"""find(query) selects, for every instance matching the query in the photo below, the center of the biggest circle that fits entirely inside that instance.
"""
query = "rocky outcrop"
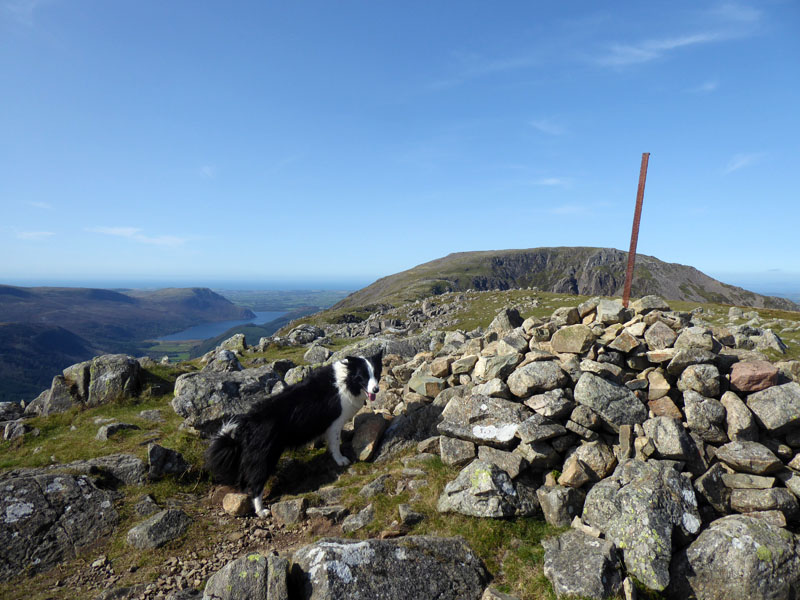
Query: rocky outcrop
(208, 398)
(99, 381)
(48, 518)
(577, 270)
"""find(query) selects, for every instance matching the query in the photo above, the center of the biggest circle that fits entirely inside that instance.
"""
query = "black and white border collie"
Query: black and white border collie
(247, 448)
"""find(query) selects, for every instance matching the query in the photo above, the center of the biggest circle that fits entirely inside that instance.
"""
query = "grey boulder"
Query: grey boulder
(640, 508)
(410, 567)
(49, 518)
(253, 576)
(159, 529)
(615, 404)
(578, 564)
(207, 398)
(483, 489)
(738, 557)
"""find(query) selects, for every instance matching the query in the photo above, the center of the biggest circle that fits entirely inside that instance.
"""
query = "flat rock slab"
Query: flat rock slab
(48, 518)
(777, 408)
(483, 420)
(749, 457)
(578, 564)
(410, 567)
(253, 576)
(159, 529)
(639, 508)
(738, 557)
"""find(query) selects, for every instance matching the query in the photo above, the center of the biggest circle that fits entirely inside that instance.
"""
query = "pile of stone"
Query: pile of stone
(644, 428)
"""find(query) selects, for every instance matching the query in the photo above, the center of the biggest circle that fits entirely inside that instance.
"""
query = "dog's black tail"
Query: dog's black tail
(223, 454)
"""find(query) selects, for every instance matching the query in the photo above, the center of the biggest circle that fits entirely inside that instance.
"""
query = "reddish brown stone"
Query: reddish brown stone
(665, 407)
(753, 376)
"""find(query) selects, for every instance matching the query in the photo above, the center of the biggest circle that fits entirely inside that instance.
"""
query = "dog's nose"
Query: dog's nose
(375, 389)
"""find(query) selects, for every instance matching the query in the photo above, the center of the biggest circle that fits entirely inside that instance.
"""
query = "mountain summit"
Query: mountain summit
(567, 270)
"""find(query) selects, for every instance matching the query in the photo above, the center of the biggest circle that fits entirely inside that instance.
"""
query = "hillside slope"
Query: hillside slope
(569, 270)
(31, 354)
(106, 317)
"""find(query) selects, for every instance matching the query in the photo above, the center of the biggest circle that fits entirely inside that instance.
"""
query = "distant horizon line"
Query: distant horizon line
(344, 284)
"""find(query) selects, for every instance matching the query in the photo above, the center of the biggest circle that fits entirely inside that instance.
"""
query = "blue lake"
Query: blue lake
(210, 330)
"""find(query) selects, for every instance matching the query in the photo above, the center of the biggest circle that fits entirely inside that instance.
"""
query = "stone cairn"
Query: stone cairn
(669, 445)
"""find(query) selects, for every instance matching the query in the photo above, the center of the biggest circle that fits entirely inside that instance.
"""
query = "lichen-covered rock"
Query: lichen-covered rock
(749, 457)
(741, 425)
(560, 504)
(48, 518)
(640, 508)
(537, 377)
(410, 567)
(705, 416)
(777, 408)
(499, 366)
(208, 398)
(316, 354)
(113, 377)
(159, 529)
(616, 404)
(738, 557)
(573, 338)
(578, 564)
(253, 576)
(483, 489)
(483, 420)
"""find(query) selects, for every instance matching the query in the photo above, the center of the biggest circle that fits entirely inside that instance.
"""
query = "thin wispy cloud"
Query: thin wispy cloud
(208, 172)
(623, 55)
(42, 205)
(135, 234)
(552, 182)
(21, 11)
(34, 235)
(740, 161)
(548, 126)
(705, 88)
(474, 67)
(723, 22)
(736, 12)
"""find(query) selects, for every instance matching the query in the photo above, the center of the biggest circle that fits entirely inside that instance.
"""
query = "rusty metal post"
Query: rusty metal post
(637, 215)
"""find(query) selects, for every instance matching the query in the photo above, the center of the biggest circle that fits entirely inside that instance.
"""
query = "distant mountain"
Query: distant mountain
(109, 318)
(568, 270)
(43, 330)
(30, 355)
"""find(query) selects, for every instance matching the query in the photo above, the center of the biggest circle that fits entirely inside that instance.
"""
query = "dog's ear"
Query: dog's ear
(377, 358)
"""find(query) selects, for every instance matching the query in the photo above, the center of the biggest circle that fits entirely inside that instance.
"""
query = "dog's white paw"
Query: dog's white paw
(263, 513)
(341, 461)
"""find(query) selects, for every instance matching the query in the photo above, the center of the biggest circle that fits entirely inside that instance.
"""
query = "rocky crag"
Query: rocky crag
(667, 445)
(562, 270)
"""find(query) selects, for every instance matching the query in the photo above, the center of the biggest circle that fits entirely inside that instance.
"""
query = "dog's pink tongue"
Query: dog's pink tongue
(371, 397)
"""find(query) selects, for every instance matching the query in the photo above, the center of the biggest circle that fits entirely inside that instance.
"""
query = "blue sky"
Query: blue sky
(189, 142)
